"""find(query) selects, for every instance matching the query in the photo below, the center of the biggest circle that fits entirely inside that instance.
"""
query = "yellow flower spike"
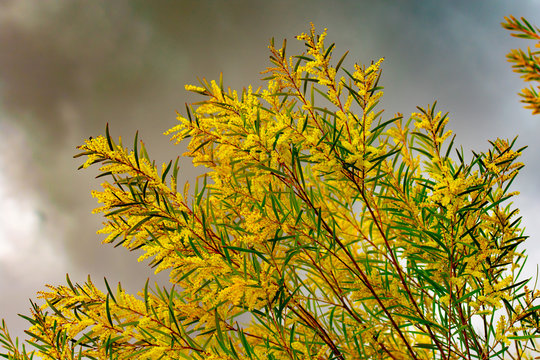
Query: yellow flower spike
(194, 88)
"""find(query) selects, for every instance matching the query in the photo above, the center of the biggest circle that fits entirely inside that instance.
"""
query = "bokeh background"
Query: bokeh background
(69, 67)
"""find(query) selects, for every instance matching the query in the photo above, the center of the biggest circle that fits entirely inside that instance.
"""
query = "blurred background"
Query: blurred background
(69, 67)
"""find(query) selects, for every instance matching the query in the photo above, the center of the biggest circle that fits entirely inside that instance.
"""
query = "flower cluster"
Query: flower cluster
(319, 230)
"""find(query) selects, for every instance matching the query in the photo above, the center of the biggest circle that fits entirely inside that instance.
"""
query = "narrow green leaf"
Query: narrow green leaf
(166, 171)
(109, 289)
(329, 50)
(108, 310)
(341, 60)
(252, 251)
(135, 151)
(109, 140)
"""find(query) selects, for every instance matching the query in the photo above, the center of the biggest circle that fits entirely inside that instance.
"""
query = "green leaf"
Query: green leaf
(166, 171)
(329, 50)
(135, 151)
(341, 60)
(416, 319)
(138, 225)
(468, 295)
(146, 294)
(109, 140)
(109, 290)
(383, 124)
(108, 310)
(73, 288)
(252, 251)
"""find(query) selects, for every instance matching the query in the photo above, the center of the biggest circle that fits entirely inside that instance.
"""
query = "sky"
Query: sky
(67, 68)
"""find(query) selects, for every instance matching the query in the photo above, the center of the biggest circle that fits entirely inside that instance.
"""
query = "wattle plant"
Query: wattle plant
(320, 230)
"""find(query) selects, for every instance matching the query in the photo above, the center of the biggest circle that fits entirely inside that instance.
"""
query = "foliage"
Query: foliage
(527, 64)
(319, 231)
